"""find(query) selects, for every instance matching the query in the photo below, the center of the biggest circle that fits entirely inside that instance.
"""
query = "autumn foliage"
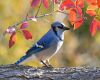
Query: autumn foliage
(74, 11)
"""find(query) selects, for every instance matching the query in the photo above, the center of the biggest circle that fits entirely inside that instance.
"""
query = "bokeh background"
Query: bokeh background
(79, 48)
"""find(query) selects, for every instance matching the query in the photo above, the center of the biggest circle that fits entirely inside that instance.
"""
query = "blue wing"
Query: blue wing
(42, 44)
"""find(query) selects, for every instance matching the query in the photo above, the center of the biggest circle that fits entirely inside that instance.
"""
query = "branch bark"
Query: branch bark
(14, 72)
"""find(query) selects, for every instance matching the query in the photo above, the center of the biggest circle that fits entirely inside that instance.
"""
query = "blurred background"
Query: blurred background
(79, 48)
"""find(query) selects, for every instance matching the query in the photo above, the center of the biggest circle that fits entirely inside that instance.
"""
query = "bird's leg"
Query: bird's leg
(49, 65)
(44, 63)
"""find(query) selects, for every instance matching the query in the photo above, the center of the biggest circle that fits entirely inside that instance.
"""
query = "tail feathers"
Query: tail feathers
(21, 60)
(25, 59)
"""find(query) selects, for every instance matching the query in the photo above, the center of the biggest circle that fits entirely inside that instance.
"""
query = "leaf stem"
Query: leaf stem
(38, 8)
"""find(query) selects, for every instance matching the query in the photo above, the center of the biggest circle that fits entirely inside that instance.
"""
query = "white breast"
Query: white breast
(52, 50)
(59, 46)
(48, 53)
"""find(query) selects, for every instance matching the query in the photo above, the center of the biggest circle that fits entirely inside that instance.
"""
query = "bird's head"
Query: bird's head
(59, 27)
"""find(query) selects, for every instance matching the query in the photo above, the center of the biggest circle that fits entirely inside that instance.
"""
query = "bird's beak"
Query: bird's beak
(66, 28)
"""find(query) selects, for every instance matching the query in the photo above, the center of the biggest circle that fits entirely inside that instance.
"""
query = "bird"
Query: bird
(47, 46)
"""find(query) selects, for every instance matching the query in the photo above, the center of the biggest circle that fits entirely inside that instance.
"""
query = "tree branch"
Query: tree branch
(14, 72)
(38, 8)
(29, 19)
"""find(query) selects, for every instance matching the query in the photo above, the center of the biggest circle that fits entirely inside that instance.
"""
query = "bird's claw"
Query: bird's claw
(48, 67)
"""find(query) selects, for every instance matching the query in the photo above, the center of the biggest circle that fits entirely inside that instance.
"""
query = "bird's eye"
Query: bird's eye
(60, 27)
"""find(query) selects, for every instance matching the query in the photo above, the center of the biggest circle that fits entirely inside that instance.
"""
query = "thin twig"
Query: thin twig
(62, 12)
(29, 19)
(38, 8)
(27, 15)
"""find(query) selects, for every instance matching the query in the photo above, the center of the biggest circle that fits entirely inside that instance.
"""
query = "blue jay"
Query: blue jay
(47, 46)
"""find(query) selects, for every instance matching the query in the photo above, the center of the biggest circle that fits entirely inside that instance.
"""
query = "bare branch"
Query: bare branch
(38, 8)
(29, 19)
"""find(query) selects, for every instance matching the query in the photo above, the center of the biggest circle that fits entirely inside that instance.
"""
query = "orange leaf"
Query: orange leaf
(46, 3)
(72, 16)
(12, 40)
(91, 12)
(80, 3)
(66, 4)
(98, 2)
(93, 27)
(92, 2)
(92, 7)
(78, 23)
(27, 34)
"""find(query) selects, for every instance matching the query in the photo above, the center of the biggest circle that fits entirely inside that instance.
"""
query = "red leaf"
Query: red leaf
(66, 4)
(46, 3)
(12, 40)
(93, 27)
(80, 3)
(79, 11)
(24, 25)
(55, 1)
(78, 23)
(72, 16)
(91, 12)
(34, 3)
(98, 2)
(27, 34)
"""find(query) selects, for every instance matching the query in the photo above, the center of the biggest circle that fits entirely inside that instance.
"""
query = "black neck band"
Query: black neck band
(54, 30)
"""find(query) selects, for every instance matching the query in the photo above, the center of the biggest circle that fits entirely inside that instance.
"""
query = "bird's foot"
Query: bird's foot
(48, 67)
